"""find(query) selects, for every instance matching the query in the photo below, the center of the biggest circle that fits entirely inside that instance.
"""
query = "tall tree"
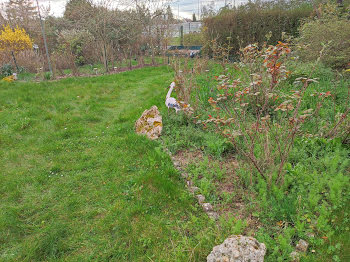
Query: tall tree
(169, 14)
(110, 27)
(155, 27)
(20, 12)
(2, 20)
(77, 12)
(208, 10)
(24, 14)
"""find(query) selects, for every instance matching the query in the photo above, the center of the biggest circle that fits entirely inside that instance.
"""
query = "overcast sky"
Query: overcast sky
(185, 8)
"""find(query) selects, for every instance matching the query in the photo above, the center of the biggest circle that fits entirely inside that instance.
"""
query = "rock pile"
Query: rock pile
(150, 123)
(238, 248)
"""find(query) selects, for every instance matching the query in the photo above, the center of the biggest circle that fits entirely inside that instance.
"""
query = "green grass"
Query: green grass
(77, 184)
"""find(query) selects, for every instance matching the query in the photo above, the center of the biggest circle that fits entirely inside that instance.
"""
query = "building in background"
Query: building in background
(188, 27)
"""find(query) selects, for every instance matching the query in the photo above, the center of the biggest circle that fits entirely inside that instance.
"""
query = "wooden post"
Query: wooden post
(44, 37)
(182, 35)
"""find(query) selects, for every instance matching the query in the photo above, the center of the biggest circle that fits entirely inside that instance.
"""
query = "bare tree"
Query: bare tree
(109, 27)
(152, 15)
(2, 19)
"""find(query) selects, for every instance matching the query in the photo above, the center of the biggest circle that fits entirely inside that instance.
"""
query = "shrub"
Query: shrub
(257, 115)
(250, 23)
(193, 39)
(331, 29)
(30, 60)
(186, 72)
(63, 60)
(14, 40)
(74, 43)
(6, 70)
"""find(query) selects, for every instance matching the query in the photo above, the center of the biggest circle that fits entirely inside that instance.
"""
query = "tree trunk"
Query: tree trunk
(130, 60)
(14, 60)
(105, 61)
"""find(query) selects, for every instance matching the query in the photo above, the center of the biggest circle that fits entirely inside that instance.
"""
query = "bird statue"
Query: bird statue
(171, 102)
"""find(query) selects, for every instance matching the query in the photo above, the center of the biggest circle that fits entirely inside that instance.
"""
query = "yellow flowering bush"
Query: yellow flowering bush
(15, 39)
(9, 79)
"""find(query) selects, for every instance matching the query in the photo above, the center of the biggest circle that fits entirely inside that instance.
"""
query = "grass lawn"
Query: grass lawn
(77, 184)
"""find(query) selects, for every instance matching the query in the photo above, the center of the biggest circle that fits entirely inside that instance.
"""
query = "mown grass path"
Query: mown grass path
(77, 184)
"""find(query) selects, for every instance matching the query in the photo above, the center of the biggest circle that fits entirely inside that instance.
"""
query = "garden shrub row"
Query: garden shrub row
(251, 23)
(329, 32)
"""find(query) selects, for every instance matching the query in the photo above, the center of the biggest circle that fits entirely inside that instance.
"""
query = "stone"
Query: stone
(295, 256)
(310, 235)
(194, 189)
(150, 123)
(207, 207)
(213, 215)
(238, 248)
(302, 246)
(184, 175)
(200, 198)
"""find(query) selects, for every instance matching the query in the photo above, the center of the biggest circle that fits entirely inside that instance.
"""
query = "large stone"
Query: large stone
(295, 256)
(201, 199)
(207, 207)
(194, 189)
(238, 248)
(213, 215)
(302, 246)
(150, 123)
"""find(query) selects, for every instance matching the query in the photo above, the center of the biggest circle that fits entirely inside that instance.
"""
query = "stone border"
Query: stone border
(207, 207)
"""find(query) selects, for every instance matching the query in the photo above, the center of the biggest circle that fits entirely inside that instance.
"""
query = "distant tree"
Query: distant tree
(2, 20)
(169, 14)
(208, 11)
(24, 14)
(14, 40)
(53, 27)
(78, 12)
(111, 29)
(194, 18)
(20, 12)
(154, 27)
